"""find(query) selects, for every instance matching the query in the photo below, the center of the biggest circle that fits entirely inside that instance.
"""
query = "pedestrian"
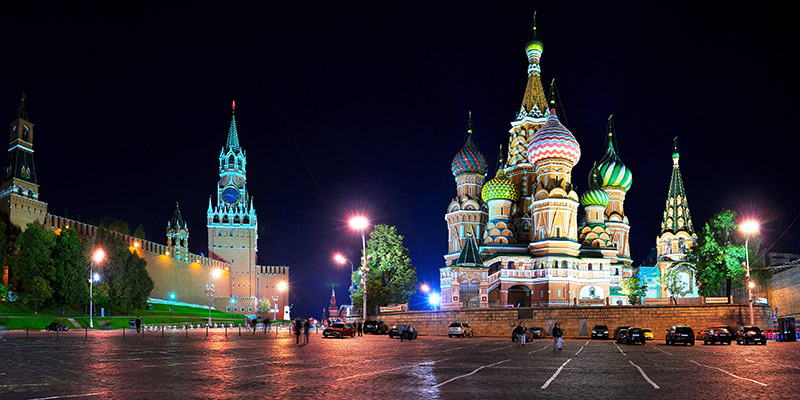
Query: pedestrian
(138, 324)
(523, 335)
(557, 333)
(306, 328)
(516, 333)
(402, 332)
(298, 326)
(360, 326)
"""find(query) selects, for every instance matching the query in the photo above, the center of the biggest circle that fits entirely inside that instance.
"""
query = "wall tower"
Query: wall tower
(178, 235)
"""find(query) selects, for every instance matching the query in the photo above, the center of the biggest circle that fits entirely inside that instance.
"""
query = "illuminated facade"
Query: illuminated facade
(516, 240)
(232, 231)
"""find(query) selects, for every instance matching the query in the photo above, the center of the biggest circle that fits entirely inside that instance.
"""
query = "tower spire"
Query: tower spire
(675, 154)
(233, 135)
(676, 212)
(22, 113)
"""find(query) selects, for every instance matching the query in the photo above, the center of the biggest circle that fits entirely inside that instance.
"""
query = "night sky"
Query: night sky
(346, 108)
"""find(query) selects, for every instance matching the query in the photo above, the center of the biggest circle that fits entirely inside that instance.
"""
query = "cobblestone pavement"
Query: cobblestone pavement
(258, 366)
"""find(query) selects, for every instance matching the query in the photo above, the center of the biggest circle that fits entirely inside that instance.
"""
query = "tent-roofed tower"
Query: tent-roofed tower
(466, 212)
(19, 191)
(677, 232)
(178, 235)
(463, 283)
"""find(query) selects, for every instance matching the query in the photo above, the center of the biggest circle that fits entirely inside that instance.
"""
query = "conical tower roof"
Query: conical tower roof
(470, 257)
(677, 217)
(22, 113)
(534, 103)
(177, 219)
(233, 136)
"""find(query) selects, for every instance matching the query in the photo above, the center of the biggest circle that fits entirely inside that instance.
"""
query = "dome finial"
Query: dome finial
(610, 129)
(552, 96)
(469, 122)
(675, 154)
(534, 35)
(500, 158)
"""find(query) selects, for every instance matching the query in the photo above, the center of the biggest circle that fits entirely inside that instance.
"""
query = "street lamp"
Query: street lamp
(749, 228)
(434, 299)
(360, 223)
(282, 285)
(210, 290)
(425, 288)
(97, 257)
(341, 260)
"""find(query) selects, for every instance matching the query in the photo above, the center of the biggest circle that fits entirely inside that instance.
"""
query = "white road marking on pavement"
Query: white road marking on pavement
(390, 369)
(644, 375)
(471, 373)
(499, 348)
(779, 365)
(735, 376)
(663, 351)
(24, 384)
(558, 371)
(531, 352)
(579, 350)
(587, 343)
(67, 396)
(620, 350)
(462, 347)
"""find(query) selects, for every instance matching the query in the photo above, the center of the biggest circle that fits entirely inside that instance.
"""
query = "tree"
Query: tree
(125, 272)
(139, 232)
(71, 273)
(635, 288)
(391, 277)
(720, 255)
(674, 285)
(3, 290)
(32, 260)
(263, 307)
(115, 225)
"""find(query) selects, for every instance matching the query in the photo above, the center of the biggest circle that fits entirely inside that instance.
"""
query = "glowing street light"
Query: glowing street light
(97, 257)
(434, 300)
(360, 224)
(750, 227)
(339, 258)
(281, 286)
(425, 288)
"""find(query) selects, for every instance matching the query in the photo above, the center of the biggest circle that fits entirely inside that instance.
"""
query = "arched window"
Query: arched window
(230, 161)
(591, 291)
(590, 266)
(510, 265)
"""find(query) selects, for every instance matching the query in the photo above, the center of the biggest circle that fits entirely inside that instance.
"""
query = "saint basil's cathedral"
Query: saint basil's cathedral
(516, 241)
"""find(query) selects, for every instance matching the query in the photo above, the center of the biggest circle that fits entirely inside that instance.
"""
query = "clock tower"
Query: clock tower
(232, 223)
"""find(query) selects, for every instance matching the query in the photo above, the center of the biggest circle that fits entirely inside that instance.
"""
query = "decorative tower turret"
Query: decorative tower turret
(531, 117)
(553, 151)
(499, 194)
(232, 233)
(333, 310)
(466, 212)
(677, 232)
(178, 235)
(19, 191)
(617, 179)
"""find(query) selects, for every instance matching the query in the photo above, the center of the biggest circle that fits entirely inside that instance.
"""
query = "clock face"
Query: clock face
(230, 195)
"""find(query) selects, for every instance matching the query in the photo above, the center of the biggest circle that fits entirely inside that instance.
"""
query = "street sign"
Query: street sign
(774, 316)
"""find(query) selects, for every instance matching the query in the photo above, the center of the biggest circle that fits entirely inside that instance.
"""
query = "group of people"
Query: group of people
(521, 335)
(303, 326)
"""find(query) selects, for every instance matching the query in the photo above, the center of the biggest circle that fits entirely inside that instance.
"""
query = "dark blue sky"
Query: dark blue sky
(345, 107)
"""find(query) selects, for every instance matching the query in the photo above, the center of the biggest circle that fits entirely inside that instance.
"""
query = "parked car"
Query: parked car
(680, 334)
(408, 330)
(339, 330)
(648, 333)
(459, 329)
(536, 332)
(750, 334)
(375, 327)
(634, 335)
(715, 335)
(600, 332)
(56, 326)
(621, 335)
(771, 333)
(617, 329)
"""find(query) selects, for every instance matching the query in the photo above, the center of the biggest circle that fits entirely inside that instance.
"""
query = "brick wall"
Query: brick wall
(784, 292)
(500, 322)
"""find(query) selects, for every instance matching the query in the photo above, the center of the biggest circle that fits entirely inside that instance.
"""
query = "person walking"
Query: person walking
(306, 328)
(138, 324)
(360, 327)
(523, 335)
(298, 326)
(517, 332)
(557, 333)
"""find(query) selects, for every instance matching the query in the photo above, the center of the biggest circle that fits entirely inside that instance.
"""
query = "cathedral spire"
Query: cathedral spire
(676, 212)
(534, 103)
(233, 135)
(22, 113)
(177, 219)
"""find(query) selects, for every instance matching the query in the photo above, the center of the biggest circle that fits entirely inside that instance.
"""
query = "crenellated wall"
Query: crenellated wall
(500, 321)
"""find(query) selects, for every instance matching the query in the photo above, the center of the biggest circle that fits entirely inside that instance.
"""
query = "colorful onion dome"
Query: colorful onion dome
(469, 159)
(595, 196)
(612, 169)
(553, 140)
(500, 187)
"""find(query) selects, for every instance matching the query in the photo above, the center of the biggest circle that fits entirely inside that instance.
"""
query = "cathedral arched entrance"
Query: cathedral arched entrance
(470, 293)
(519, 296)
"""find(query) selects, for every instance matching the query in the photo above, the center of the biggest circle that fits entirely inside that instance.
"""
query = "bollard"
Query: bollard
(226, 330)
(144, 328)
(86, 335)
(187, 330)
(123, 333)
(26, 332)
(206, 331)
(57, 332)
(240, 330)
(162, 331)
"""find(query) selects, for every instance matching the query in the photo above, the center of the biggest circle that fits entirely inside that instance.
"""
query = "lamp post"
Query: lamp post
(280, 287)
(749, 228)
(360, 224)
(97, 257)
(210, 291)
(341, 260)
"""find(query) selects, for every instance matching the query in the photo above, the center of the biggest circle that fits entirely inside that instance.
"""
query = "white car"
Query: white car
(459, 329)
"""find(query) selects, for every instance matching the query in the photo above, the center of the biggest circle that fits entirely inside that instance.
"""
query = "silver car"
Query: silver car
(461, 329)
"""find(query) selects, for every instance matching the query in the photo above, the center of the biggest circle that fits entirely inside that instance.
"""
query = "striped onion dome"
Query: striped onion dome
(595, 196)
(553, 140)
(468, 159)
(613, 170)
(500, 187)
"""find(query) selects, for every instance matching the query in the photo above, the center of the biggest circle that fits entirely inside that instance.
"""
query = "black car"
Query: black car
(375, 327)
(600, 332)
(621, 335)
(617, 329)
(715, 335)
(680, 334)
(750, 334)
(535, 332)
(634, 335)
(404, 331)
(56, 326)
